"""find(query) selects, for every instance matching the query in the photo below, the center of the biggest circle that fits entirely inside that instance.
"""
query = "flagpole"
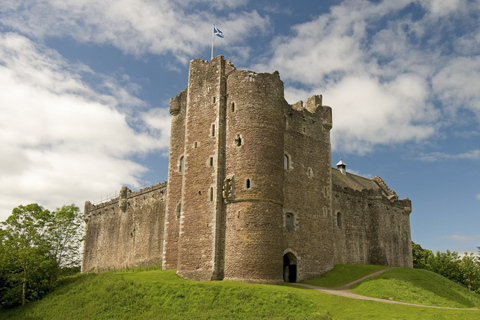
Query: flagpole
(213, 34)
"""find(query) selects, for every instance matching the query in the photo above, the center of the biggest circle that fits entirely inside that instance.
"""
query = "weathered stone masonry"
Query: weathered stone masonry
(125, 231)
(251, 194)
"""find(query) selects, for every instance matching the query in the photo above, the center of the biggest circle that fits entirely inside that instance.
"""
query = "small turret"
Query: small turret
(342, 166)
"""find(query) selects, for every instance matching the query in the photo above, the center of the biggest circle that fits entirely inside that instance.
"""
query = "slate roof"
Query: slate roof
(358, 183)
(353, 181)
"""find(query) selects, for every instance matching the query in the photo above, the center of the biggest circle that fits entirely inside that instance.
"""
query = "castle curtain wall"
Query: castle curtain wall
(371, 229)
(126, 231)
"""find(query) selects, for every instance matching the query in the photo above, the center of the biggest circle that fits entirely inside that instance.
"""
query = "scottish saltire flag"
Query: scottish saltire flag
(218, 32)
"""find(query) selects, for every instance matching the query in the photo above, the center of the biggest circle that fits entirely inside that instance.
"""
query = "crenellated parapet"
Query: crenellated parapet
(125, 199)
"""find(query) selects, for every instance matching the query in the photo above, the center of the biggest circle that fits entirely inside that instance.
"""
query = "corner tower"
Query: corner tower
(254, 169)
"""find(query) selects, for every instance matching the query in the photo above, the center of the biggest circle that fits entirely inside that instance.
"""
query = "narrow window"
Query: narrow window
(180, 165)
(286, 162)
(214, 99)
(339, 219)
(213, 130)
(248, 184)
(196, 144)
(211, 193)
(238, 140)
(289, 221)
(233, 106)
(211, 161)
(179, 210)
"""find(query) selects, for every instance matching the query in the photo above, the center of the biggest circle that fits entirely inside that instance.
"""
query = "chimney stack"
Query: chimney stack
(342, 166)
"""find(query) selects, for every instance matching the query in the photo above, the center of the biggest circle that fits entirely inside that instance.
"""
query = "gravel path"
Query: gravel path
(344, 291)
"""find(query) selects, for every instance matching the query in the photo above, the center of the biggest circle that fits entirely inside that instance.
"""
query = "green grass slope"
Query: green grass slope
(342, 274)
(162, 295)
(419, 287)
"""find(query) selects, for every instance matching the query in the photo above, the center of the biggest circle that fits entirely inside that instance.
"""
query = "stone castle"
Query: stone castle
(251, 194)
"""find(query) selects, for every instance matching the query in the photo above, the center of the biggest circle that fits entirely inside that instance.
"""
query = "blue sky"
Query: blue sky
(86, 84)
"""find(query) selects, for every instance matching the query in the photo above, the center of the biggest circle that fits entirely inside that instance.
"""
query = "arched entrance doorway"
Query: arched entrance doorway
(289, 267)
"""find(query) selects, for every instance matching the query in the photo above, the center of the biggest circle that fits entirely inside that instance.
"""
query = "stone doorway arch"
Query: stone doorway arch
(289, 267)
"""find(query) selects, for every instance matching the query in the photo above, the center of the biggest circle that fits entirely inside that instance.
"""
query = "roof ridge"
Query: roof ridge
(381, 183)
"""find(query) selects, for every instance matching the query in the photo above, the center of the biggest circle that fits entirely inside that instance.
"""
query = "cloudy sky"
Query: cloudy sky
(85, 87)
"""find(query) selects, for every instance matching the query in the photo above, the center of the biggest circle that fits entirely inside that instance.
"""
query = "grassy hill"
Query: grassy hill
(419, 287)
(162, 295)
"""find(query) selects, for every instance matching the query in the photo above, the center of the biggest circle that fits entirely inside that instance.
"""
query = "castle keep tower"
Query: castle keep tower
(239, 157)
(195, 218)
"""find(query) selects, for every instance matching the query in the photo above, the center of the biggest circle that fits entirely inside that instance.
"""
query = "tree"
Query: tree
(469, 270)
(420, 256)
(65, 234)
(25, 251)
(464, 269)
(35, 245)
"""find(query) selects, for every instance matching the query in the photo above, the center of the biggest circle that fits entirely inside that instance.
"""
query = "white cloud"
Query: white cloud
(381, 69)
(135, 26)
(464, 239)
(478, 196)
(435, 156)
(458, 83)
(371, 113)
(56, 131)
(442, 8)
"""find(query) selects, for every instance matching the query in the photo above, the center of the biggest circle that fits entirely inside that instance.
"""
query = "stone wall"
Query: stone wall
(370, 228)
(125, 231)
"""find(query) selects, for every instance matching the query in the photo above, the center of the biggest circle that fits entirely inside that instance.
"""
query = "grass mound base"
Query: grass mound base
(163, 295)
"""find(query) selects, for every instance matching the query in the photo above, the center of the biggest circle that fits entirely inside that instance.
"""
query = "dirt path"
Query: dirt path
(344, 291)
